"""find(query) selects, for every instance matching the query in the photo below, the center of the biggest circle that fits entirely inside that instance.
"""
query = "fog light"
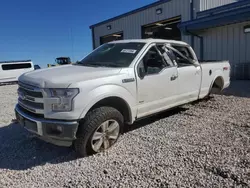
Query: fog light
(54, 129)
(59, 128)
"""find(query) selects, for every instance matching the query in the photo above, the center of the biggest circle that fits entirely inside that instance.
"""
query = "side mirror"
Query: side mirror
(141, 72)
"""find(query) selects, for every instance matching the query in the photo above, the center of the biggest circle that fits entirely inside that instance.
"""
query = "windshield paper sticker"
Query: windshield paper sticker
(130, 51)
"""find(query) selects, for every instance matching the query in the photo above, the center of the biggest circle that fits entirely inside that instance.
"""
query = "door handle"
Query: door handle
(173, 77)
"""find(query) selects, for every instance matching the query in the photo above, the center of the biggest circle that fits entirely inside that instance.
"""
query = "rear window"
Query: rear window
(16, 66)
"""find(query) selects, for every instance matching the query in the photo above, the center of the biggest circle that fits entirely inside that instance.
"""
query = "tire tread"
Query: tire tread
(92, 120)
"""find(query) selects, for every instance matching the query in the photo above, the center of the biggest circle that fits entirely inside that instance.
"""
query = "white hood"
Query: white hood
(63, 76)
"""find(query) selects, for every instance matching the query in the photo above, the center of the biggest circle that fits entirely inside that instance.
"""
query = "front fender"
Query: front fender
(106, 91)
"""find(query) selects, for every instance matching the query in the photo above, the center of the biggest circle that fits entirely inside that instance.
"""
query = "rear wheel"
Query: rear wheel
(99, 131)
(216, 87)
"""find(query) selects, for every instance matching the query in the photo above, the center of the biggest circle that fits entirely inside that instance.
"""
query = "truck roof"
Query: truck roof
(150, 40)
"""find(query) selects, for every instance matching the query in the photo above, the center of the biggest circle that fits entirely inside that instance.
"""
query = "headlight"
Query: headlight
(66, 96)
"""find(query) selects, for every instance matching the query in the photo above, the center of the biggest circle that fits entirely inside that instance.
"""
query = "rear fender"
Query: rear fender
(218, 74)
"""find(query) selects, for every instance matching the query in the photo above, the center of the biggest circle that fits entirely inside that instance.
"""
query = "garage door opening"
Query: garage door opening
(166, 29)
(112, 37)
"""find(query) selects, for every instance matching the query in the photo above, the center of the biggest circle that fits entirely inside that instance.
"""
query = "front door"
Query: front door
(157, 87)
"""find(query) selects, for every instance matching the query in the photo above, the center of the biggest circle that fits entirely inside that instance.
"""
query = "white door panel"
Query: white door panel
(189, 78)
(157, 92)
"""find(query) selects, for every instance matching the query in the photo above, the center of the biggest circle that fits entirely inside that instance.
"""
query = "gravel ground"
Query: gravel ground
(205, 144)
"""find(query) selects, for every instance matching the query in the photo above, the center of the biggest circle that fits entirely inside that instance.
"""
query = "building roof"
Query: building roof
(150, 40)
(130, 12)
(224, 15)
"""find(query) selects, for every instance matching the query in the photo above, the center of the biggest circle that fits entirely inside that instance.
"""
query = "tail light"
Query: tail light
(227, 69)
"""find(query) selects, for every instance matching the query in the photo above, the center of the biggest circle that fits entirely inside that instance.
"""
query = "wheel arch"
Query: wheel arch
(118, 103)
(114, 101)
(217, 84)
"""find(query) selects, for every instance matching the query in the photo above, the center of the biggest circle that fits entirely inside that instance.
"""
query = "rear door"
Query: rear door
(157, 88)
(189, 75)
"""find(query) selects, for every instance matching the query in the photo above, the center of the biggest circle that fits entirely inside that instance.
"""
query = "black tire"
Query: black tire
(92, 121)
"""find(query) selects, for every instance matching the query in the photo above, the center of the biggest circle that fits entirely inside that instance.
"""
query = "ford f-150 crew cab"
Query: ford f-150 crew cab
(87, 104)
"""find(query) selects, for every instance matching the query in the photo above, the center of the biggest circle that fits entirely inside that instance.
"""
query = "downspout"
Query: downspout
(191, 18)
(194, 34)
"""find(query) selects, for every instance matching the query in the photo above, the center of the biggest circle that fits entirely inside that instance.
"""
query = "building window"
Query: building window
(112, 37)
(247, 29)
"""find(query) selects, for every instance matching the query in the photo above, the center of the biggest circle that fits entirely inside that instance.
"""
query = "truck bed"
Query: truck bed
(212, 70)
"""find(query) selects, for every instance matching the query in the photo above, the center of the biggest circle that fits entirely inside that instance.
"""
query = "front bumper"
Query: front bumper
(61, 133)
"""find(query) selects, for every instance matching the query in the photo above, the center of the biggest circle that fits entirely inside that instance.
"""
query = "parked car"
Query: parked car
(89, 103)
(11, 70)
(37, 67)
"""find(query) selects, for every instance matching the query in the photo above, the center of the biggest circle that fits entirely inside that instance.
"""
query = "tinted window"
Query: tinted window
(113, 55)
(16, 66)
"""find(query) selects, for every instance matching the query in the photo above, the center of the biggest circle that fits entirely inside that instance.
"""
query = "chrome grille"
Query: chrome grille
(30, 98)
(31, 93)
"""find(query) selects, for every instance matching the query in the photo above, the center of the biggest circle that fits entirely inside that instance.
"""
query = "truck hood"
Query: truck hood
(63, 76)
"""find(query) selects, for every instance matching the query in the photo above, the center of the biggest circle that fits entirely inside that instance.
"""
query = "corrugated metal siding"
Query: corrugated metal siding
(229, 43)
(131, 25)
(196, 47)
(208, 4)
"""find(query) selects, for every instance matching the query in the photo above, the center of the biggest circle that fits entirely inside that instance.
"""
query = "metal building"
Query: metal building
(216, 29)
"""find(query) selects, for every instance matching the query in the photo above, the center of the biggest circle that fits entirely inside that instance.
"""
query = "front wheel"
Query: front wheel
(99, 131)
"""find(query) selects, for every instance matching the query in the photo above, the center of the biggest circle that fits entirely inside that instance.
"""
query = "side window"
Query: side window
(181, 62)
(152, 62)
(160, 48)
(185, 51)
(16, 66)
(167, 54)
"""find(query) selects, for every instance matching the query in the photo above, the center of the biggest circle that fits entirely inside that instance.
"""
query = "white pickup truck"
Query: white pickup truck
(86, 105)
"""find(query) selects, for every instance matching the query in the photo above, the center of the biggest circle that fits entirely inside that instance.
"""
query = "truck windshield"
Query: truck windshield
(113, 55)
